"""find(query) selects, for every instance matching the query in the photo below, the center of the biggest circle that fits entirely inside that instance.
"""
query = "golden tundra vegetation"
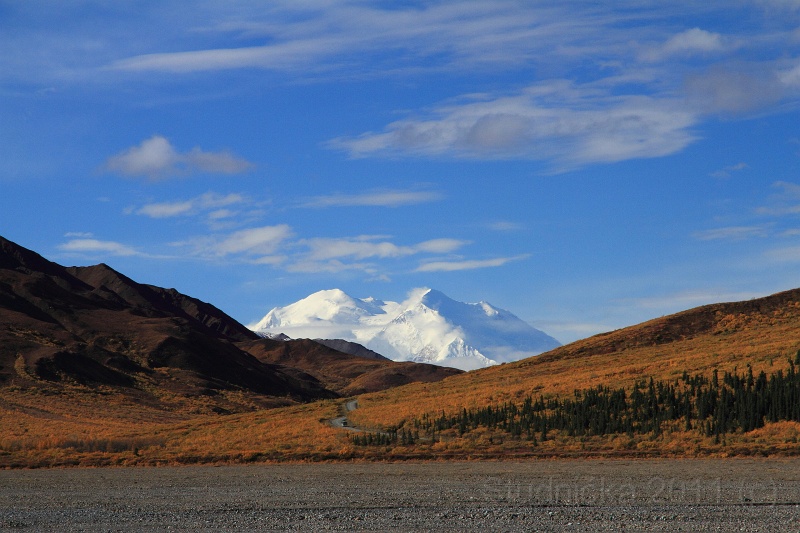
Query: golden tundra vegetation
(79, 425)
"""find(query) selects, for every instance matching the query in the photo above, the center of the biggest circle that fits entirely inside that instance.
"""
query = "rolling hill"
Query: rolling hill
(96, 369)
(757, 335)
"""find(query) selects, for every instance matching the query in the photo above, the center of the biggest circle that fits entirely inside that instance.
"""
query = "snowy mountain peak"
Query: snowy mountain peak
(427, 327)
(332, 306)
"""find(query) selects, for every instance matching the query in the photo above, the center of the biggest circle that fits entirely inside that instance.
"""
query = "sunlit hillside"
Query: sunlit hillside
(82, 425)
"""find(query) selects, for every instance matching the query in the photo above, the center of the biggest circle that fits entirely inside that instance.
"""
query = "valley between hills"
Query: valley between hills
(98, 370)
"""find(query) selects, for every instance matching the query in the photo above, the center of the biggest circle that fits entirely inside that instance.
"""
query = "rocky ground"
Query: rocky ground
(592, 495)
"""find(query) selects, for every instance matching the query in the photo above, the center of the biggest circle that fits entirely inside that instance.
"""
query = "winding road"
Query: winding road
(341, 421)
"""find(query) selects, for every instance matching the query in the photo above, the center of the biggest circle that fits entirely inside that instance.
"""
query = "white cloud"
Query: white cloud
(262, 241)
(332, 266)
(321, 249)
(374, 199)
(155, 158)
(440, 246)
(278, 56)
(166, 209)
(694, 40)
(202, 203)
(636, 108)
(453, 266)
(374, 255)
(97, 246)
(215, 162)
(371, 254)
(314, 36)
(555, 121)
(689, 42)
(256, 245)
(367, 246)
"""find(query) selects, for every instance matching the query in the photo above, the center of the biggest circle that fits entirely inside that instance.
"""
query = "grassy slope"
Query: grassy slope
(762, 333)
(90, 429)
(82, 426)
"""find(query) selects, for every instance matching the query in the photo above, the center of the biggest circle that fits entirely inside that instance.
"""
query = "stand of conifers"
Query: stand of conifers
(713, 406)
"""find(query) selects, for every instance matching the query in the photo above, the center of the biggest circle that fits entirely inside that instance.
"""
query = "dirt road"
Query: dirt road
(594, 495)
(341, 421)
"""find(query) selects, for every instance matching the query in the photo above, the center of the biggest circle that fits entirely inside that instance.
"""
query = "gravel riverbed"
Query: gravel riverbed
(589, 495)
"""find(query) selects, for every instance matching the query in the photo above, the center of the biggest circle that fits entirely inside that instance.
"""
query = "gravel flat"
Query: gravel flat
(590, 495)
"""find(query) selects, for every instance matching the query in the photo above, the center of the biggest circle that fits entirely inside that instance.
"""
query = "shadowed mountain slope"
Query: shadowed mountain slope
(353, 348)
(344, 373)
(95, 327)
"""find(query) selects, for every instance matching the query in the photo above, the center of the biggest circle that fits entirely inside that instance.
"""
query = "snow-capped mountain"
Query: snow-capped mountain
(428, 327)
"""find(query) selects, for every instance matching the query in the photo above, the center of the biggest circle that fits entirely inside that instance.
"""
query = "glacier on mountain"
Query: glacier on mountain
(428, 327)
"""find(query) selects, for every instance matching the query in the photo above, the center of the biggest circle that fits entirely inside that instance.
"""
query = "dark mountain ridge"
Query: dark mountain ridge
(353, 348)
(93, 326)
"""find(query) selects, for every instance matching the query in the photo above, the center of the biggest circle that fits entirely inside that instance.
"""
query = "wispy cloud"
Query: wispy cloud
(648, 93)
(277, 246)
(736, 89)
(504, 225)
(155, 158)
(367, 246)
(727, 171)
(391, 198)
(375, 255)
(731, 233)
(453, 266)
(635, 97)
(331, 266)
(95, 246)
(690, 42)
(786, 202)
(254, 244)
(309, 36)
(205, 202)
(786, 254)
(555, 121)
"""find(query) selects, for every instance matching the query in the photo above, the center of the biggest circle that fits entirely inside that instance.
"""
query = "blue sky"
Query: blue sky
(584, 166)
